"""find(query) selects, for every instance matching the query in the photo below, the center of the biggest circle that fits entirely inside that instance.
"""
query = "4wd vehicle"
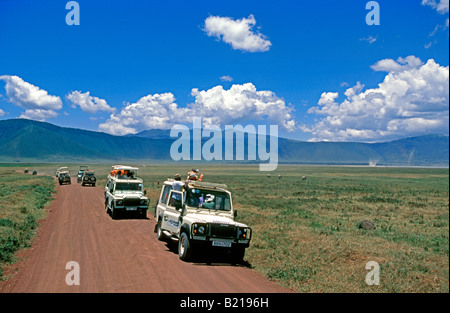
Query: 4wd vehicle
(82, 169)
(88, 178)
(124, 192)
(201, 216)
(61, 169)
(64, 178)
(79, 176)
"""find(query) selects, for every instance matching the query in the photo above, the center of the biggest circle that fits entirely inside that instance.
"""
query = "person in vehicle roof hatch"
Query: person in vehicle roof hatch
(194, 175)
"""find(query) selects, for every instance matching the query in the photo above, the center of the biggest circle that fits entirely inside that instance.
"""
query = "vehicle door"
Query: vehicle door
(163, 200)
(109, 189)
(172, 214)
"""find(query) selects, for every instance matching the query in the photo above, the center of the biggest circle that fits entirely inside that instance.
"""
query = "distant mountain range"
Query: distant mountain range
(24, 140)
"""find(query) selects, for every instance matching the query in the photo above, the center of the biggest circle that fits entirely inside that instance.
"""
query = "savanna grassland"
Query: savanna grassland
(22, 200)
(306, 233)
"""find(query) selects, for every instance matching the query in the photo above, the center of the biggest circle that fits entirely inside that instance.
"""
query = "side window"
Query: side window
(165, 194)
(111, 187)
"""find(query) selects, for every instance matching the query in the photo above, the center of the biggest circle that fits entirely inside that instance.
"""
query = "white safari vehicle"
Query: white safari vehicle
(124, 192)
(200, 216)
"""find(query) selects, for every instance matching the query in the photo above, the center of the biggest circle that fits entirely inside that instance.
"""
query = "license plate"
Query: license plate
(131, 209)
(225, 244)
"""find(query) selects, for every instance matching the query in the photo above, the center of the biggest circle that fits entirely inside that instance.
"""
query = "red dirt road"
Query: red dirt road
(115, 255)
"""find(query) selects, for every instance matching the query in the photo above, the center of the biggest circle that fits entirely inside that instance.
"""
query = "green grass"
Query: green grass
(305, 232)
(22, 199)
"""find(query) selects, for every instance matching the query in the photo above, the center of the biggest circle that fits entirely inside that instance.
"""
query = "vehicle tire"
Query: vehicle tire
(114, 214)
(184, 247)
(237, 255)
(159, 232)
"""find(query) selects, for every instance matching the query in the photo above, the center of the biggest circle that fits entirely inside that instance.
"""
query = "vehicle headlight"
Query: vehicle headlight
(199, 229)
(92, 178)
(245, 233)
(86, 178)
(119, 202)
(144, 202)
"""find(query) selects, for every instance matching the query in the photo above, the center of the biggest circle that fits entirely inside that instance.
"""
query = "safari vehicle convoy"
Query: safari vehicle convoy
(201, 216)
(124, 192)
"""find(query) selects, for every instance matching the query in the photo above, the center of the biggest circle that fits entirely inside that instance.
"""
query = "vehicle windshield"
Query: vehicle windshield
(128, 186)
(207, 199)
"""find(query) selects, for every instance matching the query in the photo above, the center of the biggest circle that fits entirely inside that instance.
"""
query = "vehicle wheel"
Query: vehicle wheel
(184, 247)
(159, 232)
(237, 255)
(114, 214)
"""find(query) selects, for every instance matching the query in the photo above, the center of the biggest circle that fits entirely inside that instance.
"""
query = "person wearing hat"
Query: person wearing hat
(209, 202)
(177, 185)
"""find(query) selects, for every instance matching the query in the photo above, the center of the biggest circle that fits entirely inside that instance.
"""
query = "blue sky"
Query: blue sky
(151, 64)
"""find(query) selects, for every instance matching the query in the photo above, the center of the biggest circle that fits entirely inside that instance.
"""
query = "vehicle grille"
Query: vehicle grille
(223, 231)
(131, 201)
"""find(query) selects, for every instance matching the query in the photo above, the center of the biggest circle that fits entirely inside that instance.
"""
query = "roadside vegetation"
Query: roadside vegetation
(306, 232)
(22, 199)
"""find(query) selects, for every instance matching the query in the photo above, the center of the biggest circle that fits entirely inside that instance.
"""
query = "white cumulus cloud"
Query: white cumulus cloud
(238, 33)
(226, 78)
(216, 106)
(28, 96)
(88, 103)
(38, 114)
(412, 100)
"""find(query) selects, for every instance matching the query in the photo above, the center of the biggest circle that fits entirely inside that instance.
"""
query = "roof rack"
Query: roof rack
(132, 171)
(124, 167)
(200, 184)
(196, 184)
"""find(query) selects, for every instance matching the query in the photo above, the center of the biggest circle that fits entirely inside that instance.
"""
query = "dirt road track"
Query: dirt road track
(115, 255)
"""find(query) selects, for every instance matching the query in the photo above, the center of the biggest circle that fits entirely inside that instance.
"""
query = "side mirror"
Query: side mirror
(235, 213)
(145, 192)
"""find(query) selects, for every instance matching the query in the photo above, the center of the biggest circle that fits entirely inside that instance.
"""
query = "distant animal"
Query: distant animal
(303, 177)
(280, 176)
(268, 176)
